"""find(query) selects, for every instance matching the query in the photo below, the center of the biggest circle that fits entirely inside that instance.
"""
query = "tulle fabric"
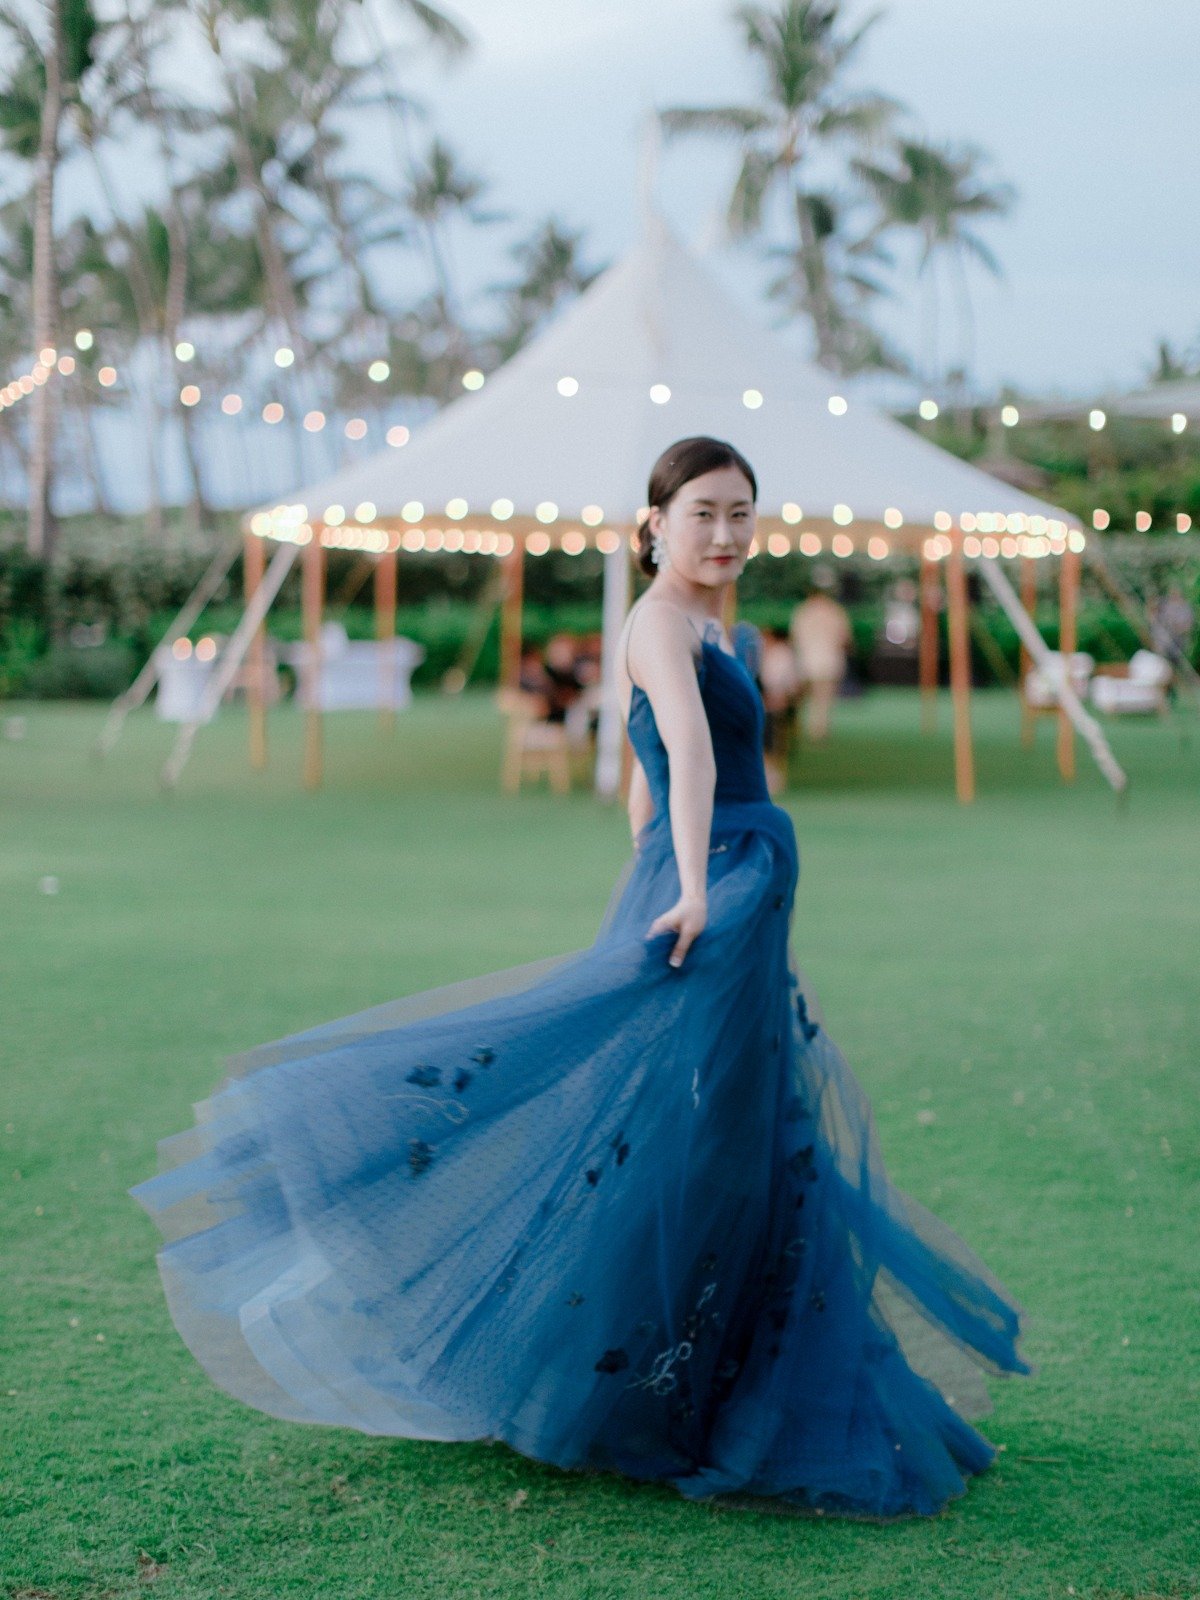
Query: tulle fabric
(619, 1215)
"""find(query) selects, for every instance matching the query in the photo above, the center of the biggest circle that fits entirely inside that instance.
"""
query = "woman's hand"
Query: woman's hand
(687, 918)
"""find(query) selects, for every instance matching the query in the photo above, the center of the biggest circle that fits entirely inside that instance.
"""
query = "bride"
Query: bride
(624, 1209)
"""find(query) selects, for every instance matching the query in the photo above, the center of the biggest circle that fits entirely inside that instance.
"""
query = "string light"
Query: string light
(592, 515)
(184, 350)
(379, 372)
(790, 511)
(456, 508)
(473, 379)
(810, 544)
(365, 511)
(838, 405)
(397, 437)
(877, 548)
(567, 387)
(1142, 521)
(1100, 519)
(106, 377)
(284, 356)
(502, 509)
(314, 421)
(189, 395)
(943, 521)
(1096, 420)
(66, 365)
(778, 544)
(751, 399)
(546, 511)
(84, 339)
(660, 394)
(842, 514)
(1183, 522)
(573, 543)
(272, 412)
(842, 545)
(356, 428)
(206, 648)
(231, 404)
(928, 410)
(1009, 416)
(412, 511)
(1178, 422)
(892, 518)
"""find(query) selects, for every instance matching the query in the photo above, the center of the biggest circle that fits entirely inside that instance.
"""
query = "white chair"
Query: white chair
(1042, 680)
(1141, 688)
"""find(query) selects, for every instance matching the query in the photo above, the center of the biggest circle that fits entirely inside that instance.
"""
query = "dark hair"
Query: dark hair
(679, 464)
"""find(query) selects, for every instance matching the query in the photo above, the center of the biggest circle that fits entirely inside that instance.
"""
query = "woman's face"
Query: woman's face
(707, 527)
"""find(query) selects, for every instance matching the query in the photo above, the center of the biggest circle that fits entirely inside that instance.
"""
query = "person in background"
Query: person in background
(779, 680)
(534, 680)
(561, 666)
(821, 638)
(1173, 621)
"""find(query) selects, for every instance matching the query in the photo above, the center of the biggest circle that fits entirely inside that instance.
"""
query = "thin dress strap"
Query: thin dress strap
(629, 633)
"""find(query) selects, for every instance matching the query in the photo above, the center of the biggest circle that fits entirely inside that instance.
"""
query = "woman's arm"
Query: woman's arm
(663, 662)
(641, 806)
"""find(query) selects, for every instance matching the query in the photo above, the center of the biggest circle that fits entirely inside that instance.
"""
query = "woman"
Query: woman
(622, 1210)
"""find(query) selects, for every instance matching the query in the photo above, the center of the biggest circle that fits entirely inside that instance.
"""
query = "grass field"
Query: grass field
(1026, 970)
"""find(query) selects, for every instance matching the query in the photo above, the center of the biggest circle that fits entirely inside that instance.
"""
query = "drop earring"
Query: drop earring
(658, 552)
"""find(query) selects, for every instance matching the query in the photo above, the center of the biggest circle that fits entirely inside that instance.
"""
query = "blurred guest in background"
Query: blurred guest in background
(779, 680)
(821, 637)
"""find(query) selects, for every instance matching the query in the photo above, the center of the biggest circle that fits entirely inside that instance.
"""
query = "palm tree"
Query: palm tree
(440, 192)
(43, 82)
(839, 268)
(551, 272)
(802, 51)
(936, 191)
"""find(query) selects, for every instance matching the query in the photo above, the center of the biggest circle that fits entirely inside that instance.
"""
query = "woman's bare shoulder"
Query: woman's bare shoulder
(667, 633)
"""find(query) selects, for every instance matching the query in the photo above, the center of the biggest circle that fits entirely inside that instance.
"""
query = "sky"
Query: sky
(1089, 111)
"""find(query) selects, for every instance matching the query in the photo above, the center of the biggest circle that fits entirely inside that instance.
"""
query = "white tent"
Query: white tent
(654, 351)
(555, 449)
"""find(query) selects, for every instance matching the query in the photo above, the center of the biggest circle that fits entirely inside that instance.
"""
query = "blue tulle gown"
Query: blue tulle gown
(620, 1215)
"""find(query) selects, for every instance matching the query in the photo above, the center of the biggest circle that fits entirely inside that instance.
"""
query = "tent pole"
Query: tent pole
(1068, 597)
(610, 734)
(960, 674)
(927, 647)
(510, 615)
(230, 660)
(138, 691)
(1029, 604)
(385, 635)
(253, 567)
(312, 593)
(1088, 728)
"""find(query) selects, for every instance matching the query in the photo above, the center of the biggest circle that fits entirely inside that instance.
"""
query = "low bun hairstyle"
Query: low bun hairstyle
(679, 464)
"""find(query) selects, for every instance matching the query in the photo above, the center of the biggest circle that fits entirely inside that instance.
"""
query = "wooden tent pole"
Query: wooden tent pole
(1029, 604)
(254, 565)
(1068, 599)
(385, 635)
(312, 594)
(510, 615)
(927, 645)
(960, 673)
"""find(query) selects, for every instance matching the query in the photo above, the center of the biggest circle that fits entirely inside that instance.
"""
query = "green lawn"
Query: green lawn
(1025, 969)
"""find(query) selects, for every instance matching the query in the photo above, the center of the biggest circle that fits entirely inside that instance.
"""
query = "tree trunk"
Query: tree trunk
(40, 538)
(816, 282)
